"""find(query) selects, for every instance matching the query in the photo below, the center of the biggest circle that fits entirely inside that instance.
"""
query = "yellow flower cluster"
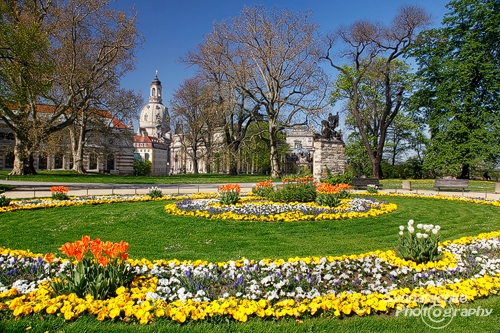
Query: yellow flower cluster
(291, 216)
(104, 200)
(132, 304)
(435, 196)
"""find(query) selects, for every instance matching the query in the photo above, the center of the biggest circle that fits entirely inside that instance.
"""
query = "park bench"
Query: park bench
(451, 183)
(363, 183)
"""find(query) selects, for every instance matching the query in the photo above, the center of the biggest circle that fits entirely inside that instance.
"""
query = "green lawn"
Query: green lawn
(72, 177)
(69, 176)
(154, 235)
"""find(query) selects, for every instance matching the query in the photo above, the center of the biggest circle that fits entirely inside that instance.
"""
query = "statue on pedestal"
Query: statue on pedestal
(328, 127)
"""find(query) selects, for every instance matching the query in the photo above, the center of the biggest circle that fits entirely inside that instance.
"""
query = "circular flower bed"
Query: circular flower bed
(253, 209)
(374, 282)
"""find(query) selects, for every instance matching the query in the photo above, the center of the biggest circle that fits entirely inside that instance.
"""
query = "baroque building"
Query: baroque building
(105, 151)
(152, 141)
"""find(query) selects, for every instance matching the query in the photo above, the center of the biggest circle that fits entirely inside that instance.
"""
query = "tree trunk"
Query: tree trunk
(23, 158)
(77, 137)
(465, 172)
(194, 157)
(273, 145)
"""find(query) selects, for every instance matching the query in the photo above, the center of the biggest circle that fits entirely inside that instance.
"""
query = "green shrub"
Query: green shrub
(295, 192)
(345, 178)
(4, 201)
(142, 167)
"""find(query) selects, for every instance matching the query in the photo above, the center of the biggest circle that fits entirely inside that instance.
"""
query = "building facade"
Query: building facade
(153, 138)
(110, 151)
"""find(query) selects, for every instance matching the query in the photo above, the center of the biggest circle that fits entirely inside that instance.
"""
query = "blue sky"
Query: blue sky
(173, 27)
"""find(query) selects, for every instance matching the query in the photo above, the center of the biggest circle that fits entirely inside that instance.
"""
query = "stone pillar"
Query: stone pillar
(328, 154)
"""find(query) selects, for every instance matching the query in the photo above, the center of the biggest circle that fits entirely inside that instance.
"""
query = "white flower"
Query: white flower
(411, 230)
(401, 233)
(435, 231)
(410, 223)
(420, 226)
(419, 235)
(425, 235)
(402, 228)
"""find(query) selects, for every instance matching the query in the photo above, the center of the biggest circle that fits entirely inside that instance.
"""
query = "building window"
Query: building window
(92, 161)
(110, 162)
(9, 160)
(42, 162)
(58, 161)
(146, 157)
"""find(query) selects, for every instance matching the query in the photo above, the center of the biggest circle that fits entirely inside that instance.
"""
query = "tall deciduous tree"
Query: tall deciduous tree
(68, 55)
(192, 112)
(459, 65)
(271, 58)
(26, 75)
(373, 50)
(95, 47)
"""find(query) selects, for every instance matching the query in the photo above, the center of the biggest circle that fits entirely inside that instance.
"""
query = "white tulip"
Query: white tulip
(410, 223)
(411, 230)
(419, 235)
(401, 233)
(402, 228)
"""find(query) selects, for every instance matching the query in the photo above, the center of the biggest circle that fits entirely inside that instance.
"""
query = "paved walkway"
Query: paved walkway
(25, 189)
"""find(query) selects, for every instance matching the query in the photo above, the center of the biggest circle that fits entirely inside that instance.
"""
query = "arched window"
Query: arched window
(153, 92)
(42, 162)
(92, 161)
(110, 162)
(58, 160)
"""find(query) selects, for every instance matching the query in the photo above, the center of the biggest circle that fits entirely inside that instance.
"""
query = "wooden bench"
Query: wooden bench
(363, 183)
(451, 183)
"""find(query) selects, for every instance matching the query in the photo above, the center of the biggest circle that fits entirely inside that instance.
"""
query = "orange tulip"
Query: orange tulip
(49, 257)
(68, 249)
(86, 240)
(104, 261)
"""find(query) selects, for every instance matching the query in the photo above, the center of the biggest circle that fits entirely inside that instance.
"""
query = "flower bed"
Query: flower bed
(374, 282)
(252, 209)
(29, 204)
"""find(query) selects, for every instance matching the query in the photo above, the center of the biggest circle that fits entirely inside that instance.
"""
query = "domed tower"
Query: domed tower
(155, 120)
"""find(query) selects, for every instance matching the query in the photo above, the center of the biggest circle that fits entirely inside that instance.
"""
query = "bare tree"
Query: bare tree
(192, 112)
(58, 61)
(95, 48)
(269, 57)
(26, 74)
(368, 44)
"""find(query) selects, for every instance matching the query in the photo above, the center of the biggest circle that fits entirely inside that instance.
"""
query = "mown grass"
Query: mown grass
(69, 176)
(153, 234)
(72, 177)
